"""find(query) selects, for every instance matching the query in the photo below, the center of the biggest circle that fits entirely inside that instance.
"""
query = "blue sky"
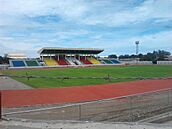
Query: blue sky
(28, 25)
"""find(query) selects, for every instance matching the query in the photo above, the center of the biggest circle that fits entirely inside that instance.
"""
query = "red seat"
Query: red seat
(85, 60)
(62, 61)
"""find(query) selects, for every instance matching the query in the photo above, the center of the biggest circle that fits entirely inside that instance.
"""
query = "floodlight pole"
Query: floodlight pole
(137, 49)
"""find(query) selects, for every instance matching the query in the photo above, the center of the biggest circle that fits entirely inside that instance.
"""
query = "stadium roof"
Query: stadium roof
(15, 55)
(57, 50)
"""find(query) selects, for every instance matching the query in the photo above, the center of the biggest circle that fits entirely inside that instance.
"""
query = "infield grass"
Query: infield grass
(113, 71)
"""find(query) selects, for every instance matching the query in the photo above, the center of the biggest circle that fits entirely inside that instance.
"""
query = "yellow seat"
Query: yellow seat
(50, 62)
(94, 61)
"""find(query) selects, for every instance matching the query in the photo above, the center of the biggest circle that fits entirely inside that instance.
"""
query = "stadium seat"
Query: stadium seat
(94, 61)
(18, 63)
(32, 63)
(85, 60)
(115, 61)
(107, 61)
(62, 61)
(73, 61)
(50, 62)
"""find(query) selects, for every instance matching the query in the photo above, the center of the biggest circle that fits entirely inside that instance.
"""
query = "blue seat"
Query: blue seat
(18, 63)
(115, 61)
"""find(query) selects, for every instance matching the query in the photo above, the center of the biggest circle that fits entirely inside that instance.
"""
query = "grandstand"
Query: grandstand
(60, 57)
(69, 56)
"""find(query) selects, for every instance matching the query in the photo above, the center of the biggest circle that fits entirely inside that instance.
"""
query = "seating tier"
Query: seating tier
(94, 61)
(18, 63)
(115, 61)
(62, 61)
(107, 61)
(85, 60)
(31, 63)
(50, 62)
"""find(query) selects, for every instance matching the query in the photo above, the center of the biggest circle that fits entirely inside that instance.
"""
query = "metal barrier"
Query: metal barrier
(124, 109)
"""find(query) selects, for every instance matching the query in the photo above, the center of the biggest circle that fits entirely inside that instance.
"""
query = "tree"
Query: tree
(159, 55)
(1, 60)
(140, 56)
(5, 60)
(124, 56)
(112, 56)
(162, 55)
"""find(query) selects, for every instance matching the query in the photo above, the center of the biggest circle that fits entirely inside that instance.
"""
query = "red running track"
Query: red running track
(17, 98)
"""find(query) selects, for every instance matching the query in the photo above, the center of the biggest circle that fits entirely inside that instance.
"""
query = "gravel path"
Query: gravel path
(7, 83)
(77, 125)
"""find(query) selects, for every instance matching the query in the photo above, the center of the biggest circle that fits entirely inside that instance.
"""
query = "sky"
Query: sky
(114, 25)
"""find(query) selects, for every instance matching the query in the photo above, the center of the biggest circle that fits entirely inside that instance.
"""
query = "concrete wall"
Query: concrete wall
(148, 62)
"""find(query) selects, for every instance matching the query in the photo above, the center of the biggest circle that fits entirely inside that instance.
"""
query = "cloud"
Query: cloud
(146, 10)
(106, 12)
(113, 25)
(66, 8)
(158, 41)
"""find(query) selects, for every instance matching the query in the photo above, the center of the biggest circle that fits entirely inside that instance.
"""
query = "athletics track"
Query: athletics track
(17, 98)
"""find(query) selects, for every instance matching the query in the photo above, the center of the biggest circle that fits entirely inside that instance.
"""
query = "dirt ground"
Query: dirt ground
(7, 83)
(78, 125)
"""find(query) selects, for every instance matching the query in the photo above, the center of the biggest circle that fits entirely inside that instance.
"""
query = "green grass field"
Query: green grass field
(113, 71)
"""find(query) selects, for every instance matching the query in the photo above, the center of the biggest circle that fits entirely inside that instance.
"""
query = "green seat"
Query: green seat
(107, 61)
(32, 63)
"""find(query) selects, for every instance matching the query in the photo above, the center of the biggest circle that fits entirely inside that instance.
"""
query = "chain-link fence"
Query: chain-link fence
(123, 109)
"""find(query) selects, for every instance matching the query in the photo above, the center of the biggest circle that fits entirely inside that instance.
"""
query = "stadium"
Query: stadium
(85, 64)
(75, 84)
